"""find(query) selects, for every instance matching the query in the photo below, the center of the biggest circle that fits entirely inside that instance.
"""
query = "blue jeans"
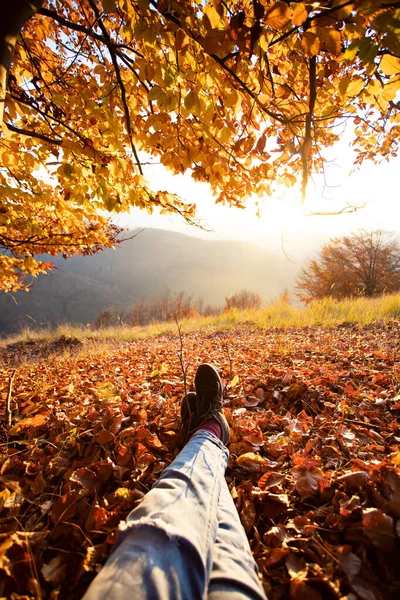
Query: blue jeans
(185, 540)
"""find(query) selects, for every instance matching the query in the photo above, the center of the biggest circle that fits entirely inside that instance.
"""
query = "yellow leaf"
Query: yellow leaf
(395, 458)
(390, 65)
(300, 14)
(351, 51)
(155, 373)
(225, 134)
(4, 496)
(155, 93)
(235, 381)
(123, 494)
(390, 90)
(311, 43)
(252, 461)
(330, 39)
(213, 16)
(355, 87)
(287, 179)
(192, 103)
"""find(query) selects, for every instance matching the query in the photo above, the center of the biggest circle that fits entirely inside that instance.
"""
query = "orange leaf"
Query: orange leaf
(300, 14)
(278, 16)
(37, 421)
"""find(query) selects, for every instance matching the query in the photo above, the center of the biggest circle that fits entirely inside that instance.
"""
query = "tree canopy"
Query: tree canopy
(245, 94)
(366, 263)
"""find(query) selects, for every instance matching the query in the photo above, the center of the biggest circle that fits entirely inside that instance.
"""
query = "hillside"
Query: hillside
(314, 453)
(81, 287)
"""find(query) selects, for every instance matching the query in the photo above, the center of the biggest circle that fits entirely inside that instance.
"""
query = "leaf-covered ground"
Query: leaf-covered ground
(314, 463)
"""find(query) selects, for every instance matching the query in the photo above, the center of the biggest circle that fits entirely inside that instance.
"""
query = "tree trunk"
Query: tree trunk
(13, 17)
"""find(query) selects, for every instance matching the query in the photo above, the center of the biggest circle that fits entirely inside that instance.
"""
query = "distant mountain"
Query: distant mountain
(79, 288)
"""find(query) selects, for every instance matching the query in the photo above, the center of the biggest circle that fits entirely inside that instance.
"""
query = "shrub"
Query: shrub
(243, 300)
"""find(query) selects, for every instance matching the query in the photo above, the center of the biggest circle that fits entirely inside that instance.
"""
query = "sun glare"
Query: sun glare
(367, 199)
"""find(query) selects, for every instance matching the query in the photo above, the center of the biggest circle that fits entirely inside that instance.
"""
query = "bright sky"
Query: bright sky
(375, 187)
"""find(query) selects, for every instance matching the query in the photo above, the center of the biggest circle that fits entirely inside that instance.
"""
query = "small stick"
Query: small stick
(361, 423)
(181, 350)
(8, 401)
(225, 346)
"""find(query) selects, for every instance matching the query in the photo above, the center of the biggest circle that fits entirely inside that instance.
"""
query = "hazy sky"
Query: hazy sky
(375, 187)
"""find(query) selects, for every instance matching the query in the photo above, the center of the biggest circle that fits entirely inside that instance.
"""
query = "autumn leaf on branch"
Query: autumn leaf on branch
(245, 97)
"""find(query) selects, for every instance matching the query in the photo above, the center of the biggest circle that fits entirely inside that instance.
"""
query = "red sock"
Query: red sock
(213, 426)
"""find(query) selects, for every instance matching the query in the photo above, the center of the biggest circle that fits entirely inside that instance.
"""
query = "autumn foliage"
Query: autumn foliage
(165, 307)
(243, 300)
(244, 95)
(366, 263)
(314, 454)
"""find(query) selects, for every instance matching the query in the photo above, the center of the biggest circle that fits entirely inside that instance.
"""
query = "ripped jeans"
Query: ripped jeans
(185, 540)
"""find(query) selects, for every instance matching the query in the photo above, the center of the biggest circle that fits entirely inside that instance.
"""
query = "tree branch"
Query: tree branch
(120, 83)
(34, 134)
(45, 12)
(221, 63)
(48, 116)
(309, 20)
(305, 150)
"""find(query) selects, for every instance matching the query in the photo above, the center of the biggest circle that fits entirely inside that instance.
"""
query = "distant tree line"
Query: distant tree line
(169, 307)
(365, 263)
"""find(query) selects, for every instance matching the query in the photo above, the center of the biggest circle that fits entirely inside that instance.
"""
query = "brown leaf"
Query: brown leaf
(85, 477)
(356, 479)
(270, 479)
(307, 480)
(35, 422)
(296, 566)
(254, 462)
(103, 437)
(39, 484)
(274, 556)
(379, 528)
(248, 514)
(64, 508)
(55, 570)
(96, 519)
(301, 590)
(303, 525)
(350, 562)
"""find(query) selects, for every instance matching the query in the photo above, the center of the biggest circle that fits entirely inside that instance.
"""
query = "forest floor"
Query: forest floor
(314, 464)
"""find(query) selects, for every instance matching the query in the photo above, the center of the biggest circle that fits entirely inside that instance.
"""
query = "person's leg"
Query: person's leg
(234, 574)
(164, 549)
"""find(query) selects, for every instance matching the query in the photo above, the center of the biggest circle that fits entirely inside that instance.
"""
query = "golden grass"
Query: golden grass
(326, 312)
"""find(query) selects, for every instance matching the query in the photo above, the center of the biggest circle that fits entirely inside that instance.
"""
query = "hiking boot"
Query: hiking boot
(205, 404)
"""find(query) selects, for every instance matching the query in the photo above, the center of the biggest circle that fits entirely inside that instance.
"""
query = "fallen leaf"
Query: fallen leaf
(379, 528)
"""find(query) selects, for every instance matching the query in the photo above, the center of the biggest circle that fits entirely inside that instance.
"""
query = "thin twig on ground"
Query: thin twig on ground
(181, 353)
(225, 346)
(8, 416)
